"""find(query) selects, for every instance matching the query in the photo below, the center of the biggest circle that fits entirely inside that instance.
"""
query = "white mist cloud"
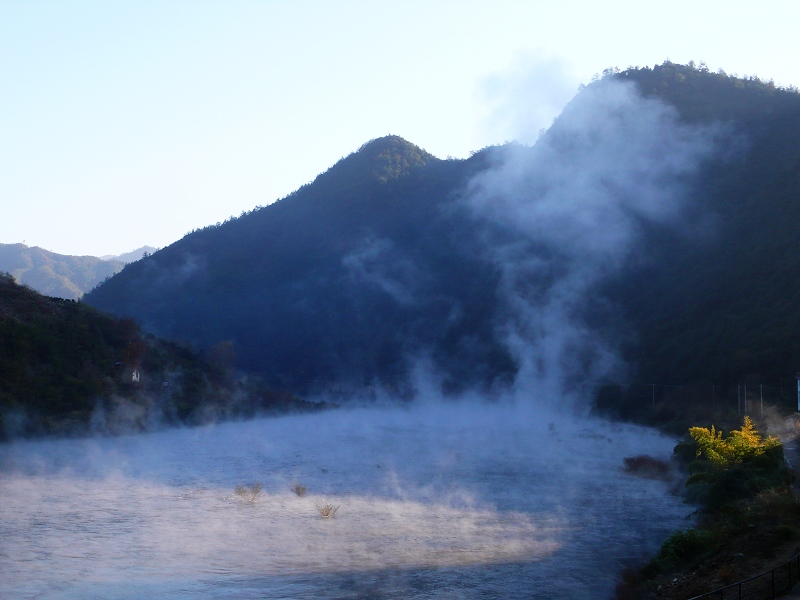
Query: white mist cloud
(376, 262)
(521, 101)
(568, 214)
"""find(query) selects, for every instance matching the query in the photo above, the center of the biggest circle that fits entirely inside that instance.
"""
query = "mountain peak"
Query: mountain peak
(380, 160)
(392, 144)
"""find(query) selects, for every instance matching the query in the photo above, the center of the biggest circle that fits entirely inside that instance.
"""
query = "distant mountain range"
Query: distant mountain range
(380, 263)
(60, 275)
(131, 256)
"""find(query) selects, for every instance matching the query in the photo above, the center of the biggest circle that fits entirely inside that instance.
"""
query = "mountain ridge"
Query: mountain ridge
(360, 211)
(53, 274)
(379, 262)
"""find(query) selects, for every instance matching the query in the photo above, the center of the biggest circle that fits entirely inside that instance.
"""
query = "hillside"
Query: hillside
(67, 368)
(379, 261)
(341, 282)
(724, 310)
(54, 274)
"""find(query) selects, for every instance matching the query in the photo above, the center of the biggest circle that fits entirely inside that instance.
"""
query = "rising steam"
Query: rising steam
(565, 215)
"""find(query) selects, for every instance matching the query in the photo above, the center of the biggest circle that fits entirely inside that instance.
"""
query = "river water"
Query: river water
(444, 501)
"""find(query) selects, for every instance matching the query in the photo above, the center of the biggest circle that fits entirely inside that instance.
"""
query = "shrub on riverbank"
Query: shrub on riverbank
(736, 467)
(747, 515)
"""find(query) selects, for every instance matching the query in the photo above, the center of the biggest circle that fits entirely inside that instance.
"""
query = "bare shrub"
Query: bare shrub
(299, 489)
(326, 510)
(647, 466)
(248, 494)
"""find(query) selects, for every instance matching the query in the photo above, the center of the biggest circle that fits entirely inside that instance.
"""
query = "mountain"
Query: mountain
(67, 368)
(55, 274)
(381, 263)
(724, 310)
(131, 256)
(339, 282)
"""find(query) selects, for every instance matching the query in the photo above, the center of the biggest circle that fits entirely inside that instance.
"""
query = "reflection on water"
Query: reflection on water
(435, 502)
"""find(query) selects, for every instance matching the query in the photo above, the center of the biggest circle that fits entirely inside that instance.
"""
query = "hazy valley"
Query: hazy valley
(450, 351)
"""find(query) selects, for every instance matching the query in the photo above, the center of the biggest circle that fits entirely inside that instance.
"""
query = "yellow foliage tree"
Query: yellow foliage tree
(740, 444)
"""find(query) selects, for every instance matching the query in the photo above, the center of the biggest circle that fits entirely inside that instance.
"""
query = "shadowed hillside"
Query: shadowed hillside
(343, 281)
(379, 261)
(719, 305)
(67, 368)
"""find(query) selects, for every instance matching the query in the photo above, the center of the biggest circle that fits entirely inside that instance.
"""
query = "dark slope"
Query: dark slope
(343, 281)
(54, 274)
(722, 306)
(376, 262)
(67, 368)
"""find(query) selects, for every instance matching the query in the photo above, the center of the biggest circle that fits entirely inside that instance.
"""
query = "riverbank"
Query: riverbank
(732, 539)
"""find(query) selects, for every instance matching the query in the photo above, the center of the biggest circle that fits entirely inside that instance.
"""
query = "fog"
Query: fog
(445, 500)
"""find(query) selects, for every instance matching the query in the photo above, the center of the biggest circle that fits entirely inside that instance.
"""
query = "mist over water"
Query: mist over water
(445, 500)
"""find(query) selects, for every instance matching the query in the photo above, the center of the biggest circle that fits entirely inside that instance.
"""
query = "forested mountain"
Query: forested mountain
(340, 282)
(54, 274)
(726, 310)
(67, 368)
(380, 261)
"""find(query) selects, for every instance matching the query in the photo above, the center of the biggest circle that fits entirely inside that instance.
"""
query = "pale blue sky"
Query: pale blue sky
(130, 123)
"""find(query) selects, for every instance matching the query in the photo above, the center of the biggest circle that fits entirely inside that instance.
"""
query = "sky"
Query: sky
(130, 123)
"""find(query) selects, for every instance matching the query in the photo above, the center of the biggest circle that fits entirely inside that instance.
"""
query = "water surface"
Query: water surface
(436, 502)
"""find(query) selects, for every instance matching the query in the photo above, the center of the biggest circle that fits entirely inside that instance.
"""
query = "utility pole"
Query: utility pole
(798, 391)
(761, 391)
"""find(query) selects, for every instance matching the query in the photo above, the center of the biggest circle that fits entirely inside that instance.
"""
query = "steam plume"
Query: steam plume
(566, 214)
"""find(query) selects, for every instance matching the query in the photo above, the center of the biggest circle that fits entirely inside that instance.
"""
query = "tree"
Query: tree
(740, 445)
